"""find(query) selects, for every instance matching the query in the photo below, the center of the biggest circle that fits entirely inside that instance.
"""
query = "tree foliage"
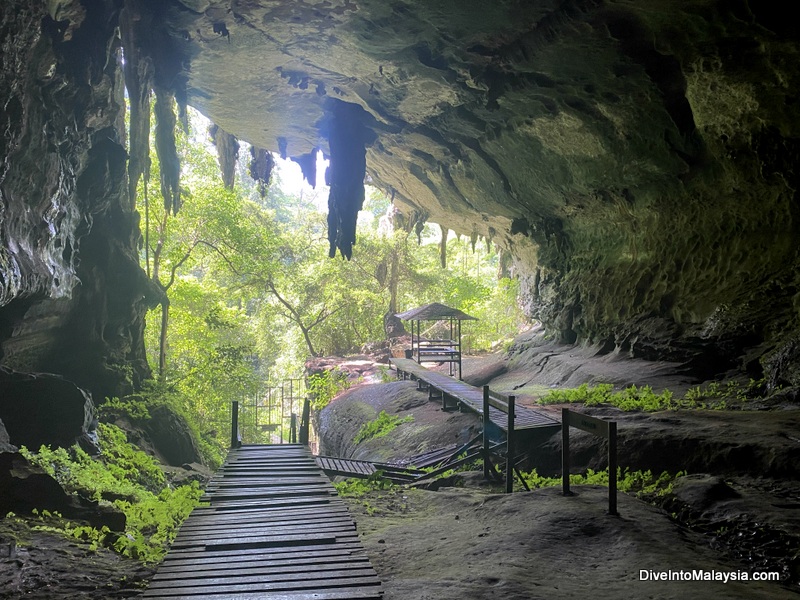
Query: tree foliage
(250, 293)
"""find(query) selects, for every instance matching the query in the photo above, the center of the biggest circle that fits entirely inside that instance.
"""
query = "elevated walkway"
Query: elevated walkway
(274, 529)
(364, 470)
(471, 398)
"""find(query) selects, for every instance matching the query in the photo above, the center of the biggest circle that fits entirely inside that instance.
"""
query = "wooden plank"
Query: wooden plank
(210, 536)
(275, 502)
(587, 423)
(274, 529)
(270, 521)
(352, 593)
(261, 482)
(195, 554)
(267, 572)
(271, 514)
(267, 492)
(256, 584)
(264, 541)
(319, 502)
(331, 558)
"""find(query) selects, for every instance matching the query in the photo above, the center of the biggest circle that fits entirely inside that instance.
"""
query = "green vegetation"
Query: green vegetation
(641, 483)
(128, 479)
(382, 425)
(714, 396)
(358, 488)
(361, 490)
(717, 395)
(323, 387)
(631, 398)
(249, 292)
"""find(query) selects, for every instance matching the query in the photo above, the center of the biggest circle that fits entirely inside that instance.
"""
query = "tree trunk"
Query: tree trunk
(307, 337)
(392, 326)
(394, 279)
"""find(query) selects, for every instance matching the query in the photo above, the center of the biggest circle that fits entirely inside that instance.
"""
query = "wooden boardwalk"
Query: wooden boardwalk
(471, 397)
(274, 530)
(363, 469)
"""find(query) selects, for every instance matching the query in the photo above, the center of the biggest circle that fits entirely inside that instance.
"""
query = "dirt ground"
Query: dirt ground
(461, 543)
(40, 565)
(734, 512)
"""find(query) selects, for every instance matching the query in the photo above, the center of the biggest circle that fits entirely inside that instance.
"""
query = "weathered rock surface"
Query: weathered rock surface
(43, 409)
(72, 296)
(457, 544)
(428, 429)
(27, 487)
(164, 435)
(636, 160)
(35, 563)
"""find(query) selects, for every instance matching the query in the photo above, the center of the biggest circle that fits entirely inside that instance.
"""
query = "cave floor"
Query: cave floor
(454, 544)
(736, 510)
(465, 542)
(48, 566)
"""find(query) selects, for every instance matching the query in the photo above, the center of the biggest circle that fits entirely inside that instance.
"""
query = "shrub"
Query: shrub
(324, 386)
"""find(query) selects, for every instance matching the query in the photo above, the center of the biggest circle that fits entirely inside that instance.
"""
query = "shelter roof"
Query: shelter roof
(434, 312)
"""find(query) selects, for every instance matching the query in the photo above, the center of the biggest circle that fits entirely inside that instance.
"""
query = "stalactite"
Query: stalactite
(138, 72)
(347, 137)
(261, 165)
(308, 165)
(418, 227)
(166, 150)
(473, 239)
(227, 153)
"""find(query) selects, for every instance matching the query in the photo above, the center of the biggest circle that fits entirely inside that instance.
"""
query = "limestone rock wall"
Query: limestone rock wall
(637, 159)
(72, 295)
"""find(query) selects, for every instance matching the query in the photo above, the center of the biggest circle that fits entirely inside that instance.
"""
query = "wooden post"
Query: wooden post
(235, 424)
(487, 465)
(293, 428)
(304, 422)
(612, 468)
(511, 451)
(565, 452)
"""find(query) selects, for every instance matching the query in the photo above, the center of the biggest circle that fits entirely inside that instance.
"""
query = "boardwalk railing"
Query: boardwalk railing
(506, 404)
(598, 427)
(278, 414)
(470, 398)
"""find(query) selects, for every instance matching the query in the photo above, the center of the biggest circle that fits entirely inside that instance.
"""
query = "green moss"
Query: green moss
(137, 486)
(379, 427)
(631, 398)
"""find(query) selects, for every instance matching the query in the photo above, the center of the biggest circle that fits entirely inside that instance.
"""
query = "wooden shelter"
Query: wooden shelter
(439, 345)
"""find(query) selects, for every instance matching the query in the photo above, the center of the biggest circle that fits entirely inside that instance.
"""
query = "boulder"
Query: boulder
(27, 487)
(165, 435)
(42, 409)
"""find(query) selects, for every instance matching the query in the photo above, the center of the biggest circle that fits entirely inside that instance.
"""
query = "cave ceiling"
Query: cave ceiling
(637, 157)
(636, 160)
